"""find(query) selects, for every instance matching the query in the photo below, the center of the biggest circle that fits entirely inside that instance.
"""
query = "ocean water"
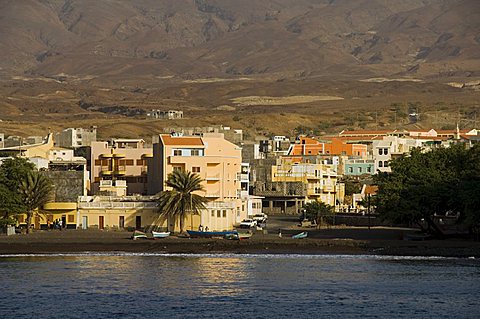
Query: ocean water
(237, 286)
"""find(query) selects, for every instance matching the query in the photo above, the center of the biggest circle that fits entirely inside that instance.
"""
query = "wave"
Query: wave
(229, 255)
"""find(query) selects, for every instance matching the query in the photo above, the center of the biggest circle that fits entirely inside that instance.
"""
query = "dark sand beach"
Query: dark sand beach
(378, 241)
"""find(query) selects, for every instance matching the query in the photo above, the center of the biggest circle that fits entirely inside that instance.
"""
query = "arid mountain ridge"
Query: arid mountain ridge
(197, 38)
(323, 64)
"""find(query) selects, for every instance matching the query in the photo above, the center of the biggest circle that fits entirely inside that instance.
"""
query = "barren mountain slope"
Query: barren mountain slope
(228, 37)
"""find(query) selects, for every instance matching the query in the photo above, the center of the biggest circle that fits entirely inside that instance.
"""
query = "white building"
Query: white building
(76, 137)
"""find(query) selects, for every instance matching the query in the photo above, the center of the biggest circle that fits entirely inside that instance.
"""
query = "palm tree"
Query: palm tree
(180, 201)
(35, 190)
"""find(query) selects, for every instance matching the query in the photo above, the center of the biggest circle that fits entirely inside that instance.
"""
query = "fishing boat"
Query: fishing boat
(300, 235)
(138, 234)
(210, 234)
(238, 236)
(160, 234)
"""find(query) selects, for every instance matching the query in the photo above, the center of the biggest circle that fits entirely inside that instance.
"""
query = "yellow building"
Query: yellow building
(54, 211)
(217, 161)
(118, 212)
(321, 179)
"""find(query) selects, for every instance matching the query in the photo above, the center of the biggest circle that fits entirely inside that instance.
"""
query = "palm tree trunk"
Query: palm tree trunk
(29, 221)
(182, 224)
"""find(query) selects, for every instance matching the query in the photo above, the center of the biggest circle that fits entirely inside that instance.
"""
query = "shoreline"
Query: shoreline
(75, 241)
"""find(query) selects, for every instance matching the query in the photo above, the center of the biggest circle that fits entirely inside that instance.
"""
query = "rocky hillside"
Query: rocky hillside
(120, 39)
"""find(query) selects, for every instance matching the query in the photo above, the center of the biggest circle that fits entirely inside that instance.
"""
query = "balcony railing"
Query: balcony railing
(212, 195)
(116, 205)
(226, 205)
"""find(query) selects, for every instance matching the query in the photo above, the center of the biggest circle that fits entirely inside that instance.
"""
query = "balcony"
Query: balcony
(242, 177)
(220, 205)
(329, 188)
(212, 195)
(106, 172)
(213, 177)
(119, 172)
(106, 155)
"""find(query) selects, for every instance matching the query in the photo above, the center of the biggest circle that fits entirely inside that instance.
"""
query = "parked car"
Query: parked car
(248, 223)
(260, 218)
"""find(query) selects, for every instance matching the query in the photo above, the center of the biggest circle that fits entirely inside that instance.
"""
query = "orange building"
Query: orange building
(217, 161)
(123, 161)
(310, 146)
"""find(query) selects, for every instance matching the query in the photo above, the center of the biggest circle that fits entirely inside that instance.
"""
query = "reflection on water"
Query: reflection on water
(248, 286)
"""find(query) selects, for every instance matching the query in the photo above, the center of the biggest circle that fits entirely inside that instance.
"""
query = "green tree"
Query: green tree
(318, 211)
(12, 171)
(180, 201)
(427, 184)
(35, 190)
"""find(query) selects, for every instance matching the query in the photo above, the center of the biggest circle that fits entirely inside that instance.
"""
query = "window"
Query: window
(141, 162)
(385, 164)
(177, 152)
(380, 151)
(360, 170)
(369, 169)
(380, 164)
(224, 213)
(213, 213)
(385, 151)
(129, 162)
(70, 218)
(350, 169)
(196, 169)
(219, 214)
(177, 168)
(98, 162)
(195, 152)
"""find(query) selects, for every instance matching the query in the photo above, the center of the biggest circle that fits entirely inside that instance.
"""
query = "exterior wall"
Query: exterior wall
(130, 163)
(76, 137)
(168, 115)
(310, 146)
(67, 212)
(320, 179)
(355, 167)
(68, 184)
(41, 150)
(216, 160)
(2, 140)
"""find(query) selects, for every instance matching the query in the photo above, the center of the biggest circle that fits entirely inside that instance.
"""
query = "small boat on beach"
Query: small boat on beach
(300, 235)
(210, 234)
(160, 234)
(138, 234)
(238, 236)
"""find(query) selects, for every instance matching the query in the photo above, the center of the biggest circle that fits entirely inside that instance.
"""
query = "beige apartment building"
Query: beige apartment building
(321, 180)
(219, 164)
(120, 160)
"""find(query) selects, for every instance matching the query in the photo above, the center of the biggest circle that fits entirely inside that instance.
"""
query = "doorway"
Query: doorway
(138, 222)
(84, 222)
(121, 221)
(101, 222)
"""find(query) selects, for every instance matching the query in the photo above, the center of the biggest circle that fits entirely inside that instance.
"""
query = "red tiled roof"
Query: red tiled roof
(371, 189)
(181, 140)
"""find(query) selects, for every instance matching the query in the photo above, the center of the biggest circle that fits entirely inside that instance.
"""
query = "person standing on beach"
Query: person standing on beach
(60, 224)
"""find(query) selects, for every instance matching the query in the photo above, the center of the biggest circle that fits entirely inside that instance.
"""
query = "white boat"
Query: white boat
(160, 234)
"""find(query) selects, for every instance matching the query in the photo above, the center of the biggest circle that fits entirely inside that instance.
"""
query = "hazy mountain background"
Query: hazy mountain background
(240, 37)
(179, 53)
